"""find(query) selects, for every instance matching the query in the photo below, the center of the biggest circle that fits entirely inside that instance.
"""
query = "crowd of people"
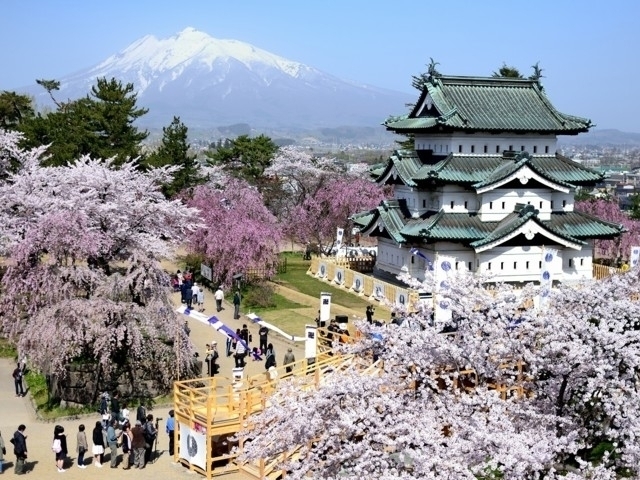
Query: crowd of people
(115, 431)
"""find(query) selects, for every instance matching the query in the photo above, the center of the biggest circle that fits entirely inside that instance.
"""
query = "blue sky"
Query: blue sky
(587, 49)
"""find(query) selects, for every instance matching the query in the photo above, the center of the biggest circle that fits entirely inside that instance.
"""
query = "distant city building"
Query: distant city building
(485, 185)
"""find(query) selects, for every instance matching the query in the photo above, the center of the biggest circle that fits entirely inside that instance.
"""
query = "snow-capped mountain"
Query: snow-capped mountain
(211, 82)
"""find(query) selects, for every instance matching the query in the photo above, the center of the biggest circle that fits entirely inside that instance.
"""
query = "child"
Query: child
(257, 356)
(82, 447)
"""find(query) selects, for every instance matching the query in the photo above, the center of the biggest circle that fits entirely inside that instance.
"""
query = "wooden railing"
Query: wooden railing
(602, 271)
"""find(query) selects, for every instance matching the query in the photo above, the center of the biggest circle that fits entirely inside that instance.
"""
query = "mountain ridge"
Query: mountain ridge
(209, 82)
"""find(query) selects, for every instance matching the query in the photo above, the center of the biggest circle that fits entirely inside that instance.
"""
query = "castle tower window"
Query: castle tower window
(510, 148)
(535, 149)
(470, 266)
(451, 203)
(497, 148)
(413, 259)
(490, 205)
(582, 262)
(570, 262)
(473, 148)
(503, 205)
(540, 204)
(522, 148)
(489, 266)
(564, 203)
(551, 204)
(459, 148)
(424, 203)
(501, 265)
(515, 265)
(486, 148)
(539, 264)
(457, 265)
(546, 149)
(465, 204)
(527, 265)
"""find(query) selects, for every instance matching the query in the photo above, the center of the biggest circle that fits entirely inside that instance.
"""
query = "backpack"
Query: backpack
(56, 446)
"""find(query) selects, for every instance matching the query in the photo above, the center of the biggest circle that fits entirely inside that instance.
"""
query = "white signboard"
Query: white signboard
(206, 272)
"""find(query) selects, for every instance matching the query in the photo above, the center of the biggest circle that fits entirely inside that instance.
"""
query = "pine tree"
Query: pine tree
(174, 151)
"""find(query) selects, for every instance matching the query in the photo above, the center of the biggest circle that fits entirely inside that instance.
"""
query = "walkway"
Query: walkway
(16, 410)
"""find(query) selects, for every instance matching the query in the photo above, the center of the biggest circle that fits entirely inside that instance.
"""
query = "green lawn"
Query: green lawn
(296, 278)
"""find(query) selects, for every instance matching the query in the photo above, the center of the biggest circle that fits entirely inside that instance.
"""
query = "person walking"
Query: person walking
(82, 446)
(289, 358)
(59, 447)
(137, 442)
(219, 296)
(170, 429)
(19, 441)
(112, 441)
(236, 304)
(17, 380)
(271, 357)
(98, 445)
(3, 452)
(127, 446)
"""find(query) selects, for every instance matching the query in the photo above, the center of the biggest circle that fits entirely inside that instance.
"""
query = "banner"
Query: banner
(193, 445)
(546, 275)
(358, 283)
(634, 257)
(339, 276)
(427, 260)
(339, 236)
(443, 274)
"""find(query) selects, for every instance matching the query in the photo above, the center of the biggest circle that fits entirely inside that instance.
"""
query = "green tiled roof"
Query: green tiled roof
(406, 163)
(460, 168)
(565, 170)
(393, 214)
(582, 225)
(447, 226)
(482, 170)
(467, 228)
(363, 219)
(486, 104)
(509, 224)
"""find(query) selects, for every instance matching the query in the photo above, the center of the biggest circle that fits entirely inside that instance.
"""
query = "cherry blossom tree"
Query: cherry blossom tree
(608, 209)
(316, 219)
(432, 409)
(84, 282)
(239, 234)
(319, 195)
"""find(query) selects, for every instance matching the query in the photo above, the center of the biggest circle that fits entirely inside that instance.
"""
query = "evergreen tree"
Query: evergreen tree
(99, 125)
(507, 71)
(174, 151)
(245, 157)
(115, 113)
(14, 109)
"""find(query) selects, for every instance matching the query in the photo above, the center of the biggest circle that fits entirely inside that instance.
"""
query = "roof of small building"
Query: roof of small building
(485, 104)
